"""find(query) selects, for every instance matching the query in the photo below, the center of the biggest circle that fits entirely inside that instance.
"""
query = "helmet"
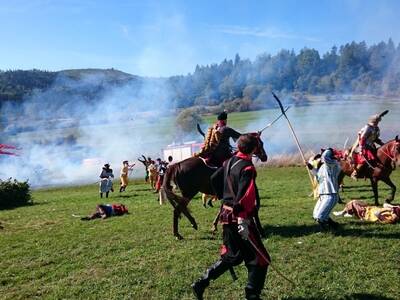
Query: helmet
(374, 119)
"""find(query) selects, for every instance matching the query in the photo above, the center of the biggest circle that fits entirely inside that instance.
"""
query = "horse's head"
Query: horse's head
(396, 147)
(260, 151)
(390, 150)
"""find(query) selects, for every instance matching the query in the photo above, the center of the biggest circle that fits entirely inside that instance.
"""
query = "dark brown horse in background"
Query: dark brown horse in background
(387, 158)
(191, 176)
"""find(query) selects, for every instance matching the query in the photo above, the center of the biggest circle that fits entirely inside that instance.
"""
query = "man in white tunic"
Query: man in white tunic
(328, 189)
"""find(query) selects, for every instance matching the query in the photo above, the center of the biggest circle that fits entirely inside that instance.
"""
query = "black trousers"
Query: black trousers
(235, 250)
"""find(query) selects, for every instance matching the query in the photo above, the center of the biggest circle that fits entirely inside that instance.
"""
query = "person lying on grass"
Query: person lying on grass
(104, 211)
(388, 214)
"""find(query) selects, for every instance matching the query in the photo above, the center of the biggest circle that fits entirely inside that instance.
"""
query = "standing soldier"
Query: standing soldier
(124, 175)
(235, 184)
(106, 184)
(367, 137)
(327, 174)
(146, 162)
(216, 147)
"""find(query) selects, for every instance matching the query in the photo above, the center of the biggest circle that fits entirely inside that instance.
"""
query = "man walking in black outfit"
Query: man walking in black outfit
(235, 184)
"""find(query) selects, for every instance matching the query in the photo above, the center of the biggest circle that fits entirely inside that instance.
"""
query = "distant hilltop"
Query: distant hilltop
(16, 85)
(238, 84)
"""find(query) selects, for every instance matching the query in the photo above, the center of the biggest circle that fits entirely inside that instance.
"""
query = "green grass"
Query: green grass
(46, 253)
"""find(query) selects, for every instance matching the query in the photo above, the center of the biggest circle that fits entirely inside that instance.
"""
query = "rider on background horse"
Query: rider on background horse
(367, 137)
(216, 147)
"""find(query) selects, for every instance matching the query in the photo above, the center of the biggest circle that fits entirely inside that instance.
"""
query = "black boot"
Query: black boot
(255, 283)
(333, 225)
(323, 225)
(212, 273)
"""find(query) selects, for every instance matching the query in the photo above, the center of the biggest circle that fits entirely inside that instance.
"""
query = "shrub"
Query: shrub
(187, 120)
(14, 193)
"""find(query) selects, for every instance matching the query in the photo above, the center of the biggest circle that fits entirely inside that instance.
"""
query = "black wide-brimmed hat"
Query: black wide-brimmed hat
(222, 116)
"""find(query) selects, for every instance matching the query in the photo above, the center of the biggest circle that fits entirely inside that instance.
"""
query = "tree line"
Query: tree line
(351, 68)
(243, 84)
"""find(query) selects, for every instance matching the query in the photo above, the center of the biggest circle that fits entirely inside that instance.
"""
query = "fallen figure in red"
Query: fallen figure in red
(104, 211)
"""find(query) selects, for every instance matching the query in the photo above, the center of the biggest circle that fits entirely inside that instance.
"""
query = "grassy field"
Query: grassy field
(47, 253)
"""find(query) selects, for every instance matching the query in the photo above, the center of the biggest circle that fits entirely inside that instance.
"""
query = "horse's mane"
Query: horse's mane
(385, 145)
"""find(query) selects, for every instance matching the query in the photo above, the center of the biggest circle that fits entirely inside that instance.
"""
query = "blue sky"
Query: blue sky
(162, 38)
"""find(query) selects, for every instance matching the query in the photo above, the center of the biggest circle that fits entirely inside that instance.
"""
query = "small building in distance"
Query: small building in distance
(181, 151)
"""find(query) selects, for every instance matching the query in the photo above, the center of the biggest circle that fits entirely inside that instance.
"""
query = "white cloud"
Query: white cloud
(269, 32)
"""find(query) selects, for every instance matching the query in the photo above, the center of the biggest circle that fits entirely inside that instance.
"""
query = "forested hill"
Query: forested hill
(351, 68)
(18, 85)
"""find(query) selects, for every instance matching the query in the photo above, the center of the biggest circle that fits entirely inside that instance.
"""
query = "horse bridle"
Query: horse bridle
(394, 159)
(258, 136)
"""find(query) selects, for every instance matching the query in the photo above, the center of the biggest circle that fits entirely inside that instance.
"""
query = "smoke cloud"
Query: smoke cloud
(325, 123)
(65, 137)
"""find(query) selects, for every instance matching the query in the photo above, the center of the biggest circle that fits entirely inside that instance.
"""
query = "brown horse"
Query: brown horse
(387, 158)
(191, 176)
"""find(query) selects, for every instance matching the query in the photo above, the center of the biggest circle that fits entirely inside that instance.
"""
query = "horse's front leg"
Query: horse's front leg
(175, 224)
(389, 182)
(374, 185)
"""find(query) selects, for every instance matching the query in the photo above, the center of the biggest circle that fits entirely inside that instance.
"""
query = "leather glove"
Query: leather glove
(243, 228)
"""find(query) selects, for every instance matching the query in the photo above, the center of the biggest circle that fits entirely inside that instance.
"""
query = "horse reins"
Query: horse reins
(391, 158)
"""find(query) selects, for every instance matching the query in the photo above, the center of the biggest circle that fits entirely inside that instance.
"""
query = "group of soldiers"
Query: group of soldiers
(235, 183)
(106, 176)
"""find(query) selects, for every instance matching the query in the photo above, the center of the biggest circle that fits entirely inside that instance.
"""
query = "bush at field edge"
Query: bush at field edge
(14, 193)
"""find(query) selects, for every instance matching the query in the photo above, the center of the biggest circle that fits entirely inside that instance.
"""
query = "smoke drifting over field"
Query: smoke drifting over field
(325, 124)
(66, 138)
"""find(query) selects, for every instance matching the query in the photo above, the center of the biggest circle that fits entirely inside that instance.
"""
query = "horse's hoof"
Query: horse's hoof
(178, 237)
(194, 226)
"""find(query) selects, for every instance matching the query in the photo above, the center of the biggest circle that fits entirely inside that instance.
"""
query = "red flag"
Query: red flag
(4, 146)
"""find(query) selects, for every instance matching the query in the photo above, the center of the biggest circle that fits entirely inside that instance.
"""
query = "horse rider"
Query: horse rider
(216, 147)
(368, 136)
(235, 184)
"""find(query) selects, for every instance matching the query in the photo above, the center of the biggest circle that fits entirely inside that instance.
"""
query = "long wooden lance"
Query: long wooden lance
(295, 139)
(272, 123)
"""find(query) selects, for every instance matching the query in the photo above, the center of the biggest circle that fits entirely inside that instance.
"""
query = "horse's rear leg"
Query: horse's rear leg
(341, 184)
(214, 227)
(389, 182)
(182, 207)
(374, 185)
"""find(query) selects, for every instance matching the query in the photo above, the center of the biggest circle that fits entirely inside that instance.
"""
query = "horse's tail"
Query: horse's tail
(178, 202)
